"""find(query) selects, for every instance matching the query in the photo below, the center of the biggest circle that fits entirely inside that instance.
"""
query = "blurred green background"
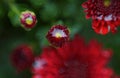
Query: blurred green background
(48, 12)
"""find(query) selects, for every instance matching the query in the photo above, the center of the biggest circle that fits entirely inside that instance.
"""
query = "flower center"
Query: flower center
(29, 20)
(74, 69)
(58, 33)
(107, 3)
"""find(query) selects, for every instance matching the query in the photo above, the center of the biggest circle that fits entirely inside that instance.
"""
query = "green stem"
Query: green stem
(14, 8)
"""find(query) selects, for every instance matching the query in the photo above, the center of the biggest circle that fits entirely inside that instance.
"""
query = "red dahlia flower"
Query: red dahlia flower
(28, 19)
(105, 14)
(58, 35)
(22, 57)
(75, 59)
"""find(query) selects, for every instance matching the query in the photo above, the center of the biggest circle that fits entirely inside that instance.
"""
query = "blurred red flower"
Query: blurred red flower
(22, 57)
(75, 59)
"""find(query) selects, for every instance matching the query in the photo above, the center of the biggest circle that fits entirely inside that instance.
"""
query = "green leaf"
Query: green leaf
(14, 18)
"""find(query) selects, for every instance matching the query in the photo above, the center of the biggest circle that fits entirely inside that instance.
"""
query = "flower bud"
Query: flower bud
(28, 19)
(58, 35)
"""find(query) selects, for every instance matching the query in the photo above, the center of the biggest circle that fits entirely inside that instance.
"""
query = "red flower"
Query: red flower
(58, 35)
(75, 59)
(28, 19)
(103, 27)
(22, 57)
(105, 14)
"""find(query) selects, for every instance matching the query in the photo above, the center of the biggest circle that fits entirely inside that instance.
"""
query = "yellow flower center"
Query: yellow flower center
(29, 21)
(107, 3)
(58, 35)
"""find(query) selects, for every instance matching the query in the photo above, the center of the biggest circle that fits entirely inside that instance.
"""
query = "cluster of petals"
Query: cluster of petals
(75, 59)
(105, 15)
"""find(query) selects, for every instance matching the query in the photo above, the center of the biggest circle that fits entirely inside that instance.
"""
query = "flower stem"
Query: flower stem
(14, 8)
(11, 4)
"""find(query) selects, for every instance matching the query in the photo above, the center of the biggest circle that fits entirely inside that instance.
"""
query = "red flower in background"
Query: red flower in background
(105, 14)
(28, 19)
(22, 57)
(75, 59)
(58, 35)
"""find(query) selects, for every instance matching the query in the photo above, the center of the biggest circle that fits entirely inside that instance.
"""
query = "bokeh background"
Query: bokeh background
(49, 13)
